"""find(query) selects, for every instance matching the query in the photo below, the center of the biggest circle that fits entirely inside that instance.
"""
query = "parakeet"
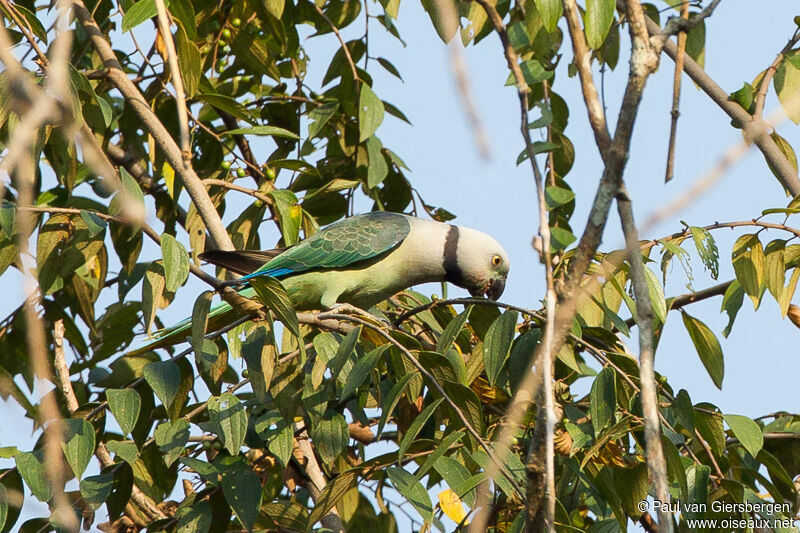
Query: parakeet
(362, 260)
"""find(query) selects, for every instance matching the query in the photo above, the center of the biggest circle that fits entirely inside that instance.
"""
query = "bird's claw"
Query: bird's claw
(349, 309)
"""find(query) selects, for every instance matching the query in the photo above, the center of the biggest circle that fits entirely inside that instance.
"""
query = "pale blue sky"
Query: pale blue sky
(761, 362)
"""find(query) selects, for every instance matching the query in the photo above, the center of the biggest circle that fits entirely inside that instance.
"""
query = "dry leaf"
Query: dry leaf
(794, 314)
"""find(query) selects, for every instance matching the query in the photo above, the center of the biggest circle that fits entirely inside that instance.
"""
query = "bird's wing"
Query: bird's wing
(340, 245)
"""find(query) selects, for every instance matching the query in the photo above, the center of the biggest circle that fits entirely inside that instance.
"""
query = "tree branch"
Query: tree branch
(763, 87)
(654, 456)
(755, 129)
(166, 143)
(597, 118)
(177, 81)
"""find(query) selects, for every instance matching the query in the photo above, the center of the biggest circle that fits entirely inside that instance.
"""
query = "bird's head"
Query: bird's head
(476, 262)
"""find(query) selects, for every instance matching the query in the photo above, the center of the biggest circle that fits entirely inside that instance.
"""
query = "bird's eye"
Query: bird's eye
(496, 260)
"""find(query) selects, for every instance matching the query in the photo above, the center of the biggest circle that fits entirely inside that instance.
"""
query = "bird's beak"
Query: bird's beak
(495, 288)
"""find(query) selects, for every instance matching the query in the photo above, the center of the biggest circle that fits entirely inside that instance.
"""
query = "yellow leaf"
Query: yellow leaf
(450, 504)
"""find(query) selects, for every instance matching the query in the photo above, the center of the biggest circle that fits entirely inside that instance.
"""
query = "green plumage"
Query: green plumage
(341, 245)
(302, 268)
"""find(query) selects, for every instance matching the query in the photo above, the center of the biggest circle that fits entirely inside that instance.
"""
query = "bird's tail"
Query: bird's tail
(219, 316)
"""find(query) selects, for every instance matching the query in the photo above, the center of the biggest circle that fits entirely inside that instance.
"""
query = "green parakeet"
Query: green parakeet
(361, 261)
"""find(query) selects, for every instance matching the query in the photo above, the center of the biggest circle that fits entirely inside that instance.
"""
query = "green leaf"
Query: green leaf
(96, 489)
(675, 468)
(190, 62)
(774, 267)
(138, 13)
(242, 491)
(377, 169)
(467, 401)
(747, 431)
(280, 438)
(731, 303)
(31, 468)
(331, 495)
(683, 411)
(696, 42)
(228, 416)
(706, 249)
(631, 486)
(597, 21)
(533, 72)
(452, 330)
(125, 405)
(362, 369)
(550, 11)
(125, 449)
(708, 348)
(391, 400)
(416, 426)
(603, 400)
(94, 223)
(274, 296)
(370, 112)
(320, 116)
(195, 519)
(412, 490)
(152, 293)
(200, 319)
(273, 131)
(657, 298)
(708, 423)
(78, 444)
(330, 436)
(258, 352)
(787, 86)
(385, 63)
(164, 377)
(459, 479)
(748, 263)
(560, 238)
(557, 196)
(171, 437)
(697, 483)
(441, 448)
(183, 11)
(498, 343)
(176, 262)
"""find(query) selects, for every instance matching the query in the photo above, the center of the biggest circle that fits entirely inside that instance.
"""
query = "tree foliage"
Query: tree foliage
(294, 433)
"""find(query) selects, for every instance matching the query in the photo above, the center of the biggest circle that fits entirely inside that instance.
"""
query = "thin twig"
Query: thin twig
(580, 50)
(676, 96)
(232, 186)
(177, 81)
(763, 87)
(345, 50)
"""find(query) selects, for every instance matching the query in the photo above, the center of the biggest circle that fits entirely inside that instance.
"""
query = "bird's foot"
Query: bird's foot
(349, 309)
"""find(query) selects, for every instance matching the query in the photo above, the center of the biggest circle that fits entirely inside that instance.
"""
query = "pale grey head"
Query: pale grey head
(475, 261)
